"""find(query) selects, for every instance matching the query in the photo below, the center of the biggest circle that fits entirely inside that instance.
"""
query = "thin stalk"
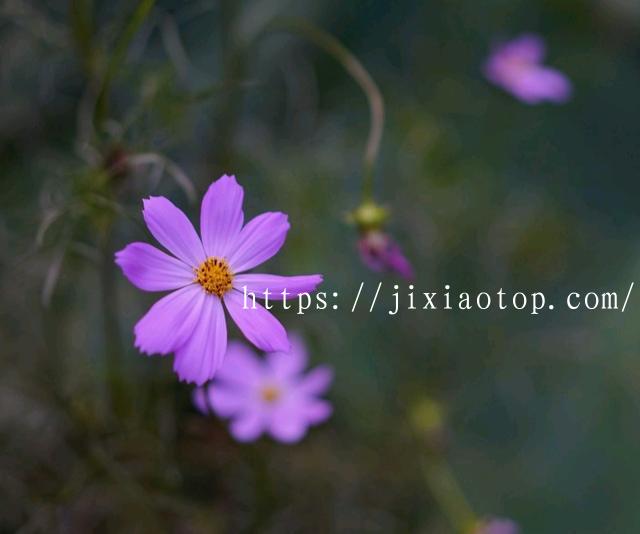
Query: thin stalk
(111, 327)
(234, 68)
(361, 76)
(82, 32)
(266, 500)
(450, 498)
(119, 54)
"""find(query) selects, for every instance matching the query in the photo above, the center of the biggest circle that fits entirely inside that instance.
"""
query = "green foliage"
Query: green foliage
(537, 415)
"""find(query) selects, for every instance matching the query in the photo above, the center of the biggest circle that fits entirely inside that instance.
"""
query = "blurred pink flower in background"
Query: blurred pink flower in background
(271, 395)
(381, 253)
(498, 526)
(204, 273)
(517, 67)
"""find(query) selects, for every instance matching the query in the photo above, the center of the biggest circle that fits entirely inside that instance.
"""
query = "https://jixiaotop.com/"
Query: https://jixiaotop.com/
(393, 299)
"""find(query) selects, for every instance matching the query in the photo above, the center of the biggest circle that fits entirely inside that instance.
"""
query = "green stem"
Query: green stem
(82, 32)
(234, 61)
(119, 54)
(111, 327)
(361, 76)
(266, 500)
(447, 492)
(234, 68)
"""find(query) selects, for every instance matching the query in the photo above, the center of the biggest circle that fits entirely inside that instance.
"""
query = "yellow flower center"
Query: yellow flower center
(214, 275)
(270, 394)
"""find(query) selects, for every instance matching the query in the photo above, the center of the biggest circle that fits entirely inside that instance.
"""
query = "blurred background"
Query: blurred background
(103, 103)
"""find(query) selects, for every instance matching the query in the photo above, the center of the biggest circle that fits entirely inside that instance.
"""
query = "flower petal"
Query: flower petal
(170, 321)
(287, 425)
(276, 285)
(221, 215)
(173, 230)
(150, 269)
(200, 356)
(529, 48)
(316, 381)
(200, 400)
(248, 426)
(317, 411)
(257, 324)
(542, 83)
(228, 401)
(260, 239)
(241, 366)
(380, 252)
(288, 365)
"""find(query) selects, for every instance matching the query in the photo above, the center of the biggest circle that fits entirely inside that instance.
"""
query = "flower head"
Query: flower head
(206, 274)
(271, 395)
(497, 526)
(378, 250)
(517, 67)
(381, 253)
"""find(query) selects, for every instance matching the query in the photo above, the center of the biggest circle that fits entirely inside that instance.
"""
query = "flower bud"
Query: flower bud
(369, 216)
(381, 253)
(496, 525)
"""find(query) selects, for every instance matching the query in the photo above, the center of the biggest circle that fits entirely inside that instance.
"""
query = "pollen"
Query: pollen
(214, 275)
(270, 394)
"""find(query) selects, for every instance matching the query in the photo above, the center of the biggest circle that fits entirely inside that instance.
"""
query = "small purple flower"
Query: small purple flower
(205, 273)
(270, 395)
(381, 253)
(497, 526)
(516, 66)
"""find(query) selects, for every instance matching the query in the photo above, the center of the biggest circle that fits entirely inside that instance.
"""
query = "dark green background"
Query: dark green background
(486, 192)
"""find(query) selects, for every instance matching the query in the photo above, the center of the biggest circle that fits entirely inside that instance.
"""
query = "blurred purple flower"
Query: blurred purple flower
(381, 253)
(516, 66)
(498, 526)
(270, 395)
(204, 273)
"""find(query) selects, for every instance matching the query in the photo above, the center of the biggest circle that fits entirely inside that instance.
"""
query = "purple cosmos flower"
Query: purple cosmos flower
(498, 526)
(204, 274)
(381, 253)
(516, 66)
(270, 395)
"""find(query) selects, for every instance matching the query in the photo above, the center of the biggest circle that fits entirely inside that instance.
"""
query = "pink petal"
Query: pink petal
(200, 356)
(498, 525)
(173, 230)
(294, 285)
(170, 321)
(533, 84)
(150, 269)
(287, 426)
(528, 47)
(241, 366)
(258, 241)
(228, 401)
(289, 364)
(380, 252)
(199, 399)
(257, 324)
(316, 411)
(248, 426)
(316, 381)
(221, 215)
(543, 83)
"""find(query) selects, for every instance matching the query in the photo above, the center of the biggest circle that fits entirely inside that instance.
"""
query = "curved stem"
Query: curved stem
(360, 75)
(447, 493)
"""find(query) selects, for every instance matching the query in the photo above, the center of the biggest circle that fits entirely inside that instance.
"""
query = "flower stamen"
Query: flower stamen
(215, 276)
(270, 394)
